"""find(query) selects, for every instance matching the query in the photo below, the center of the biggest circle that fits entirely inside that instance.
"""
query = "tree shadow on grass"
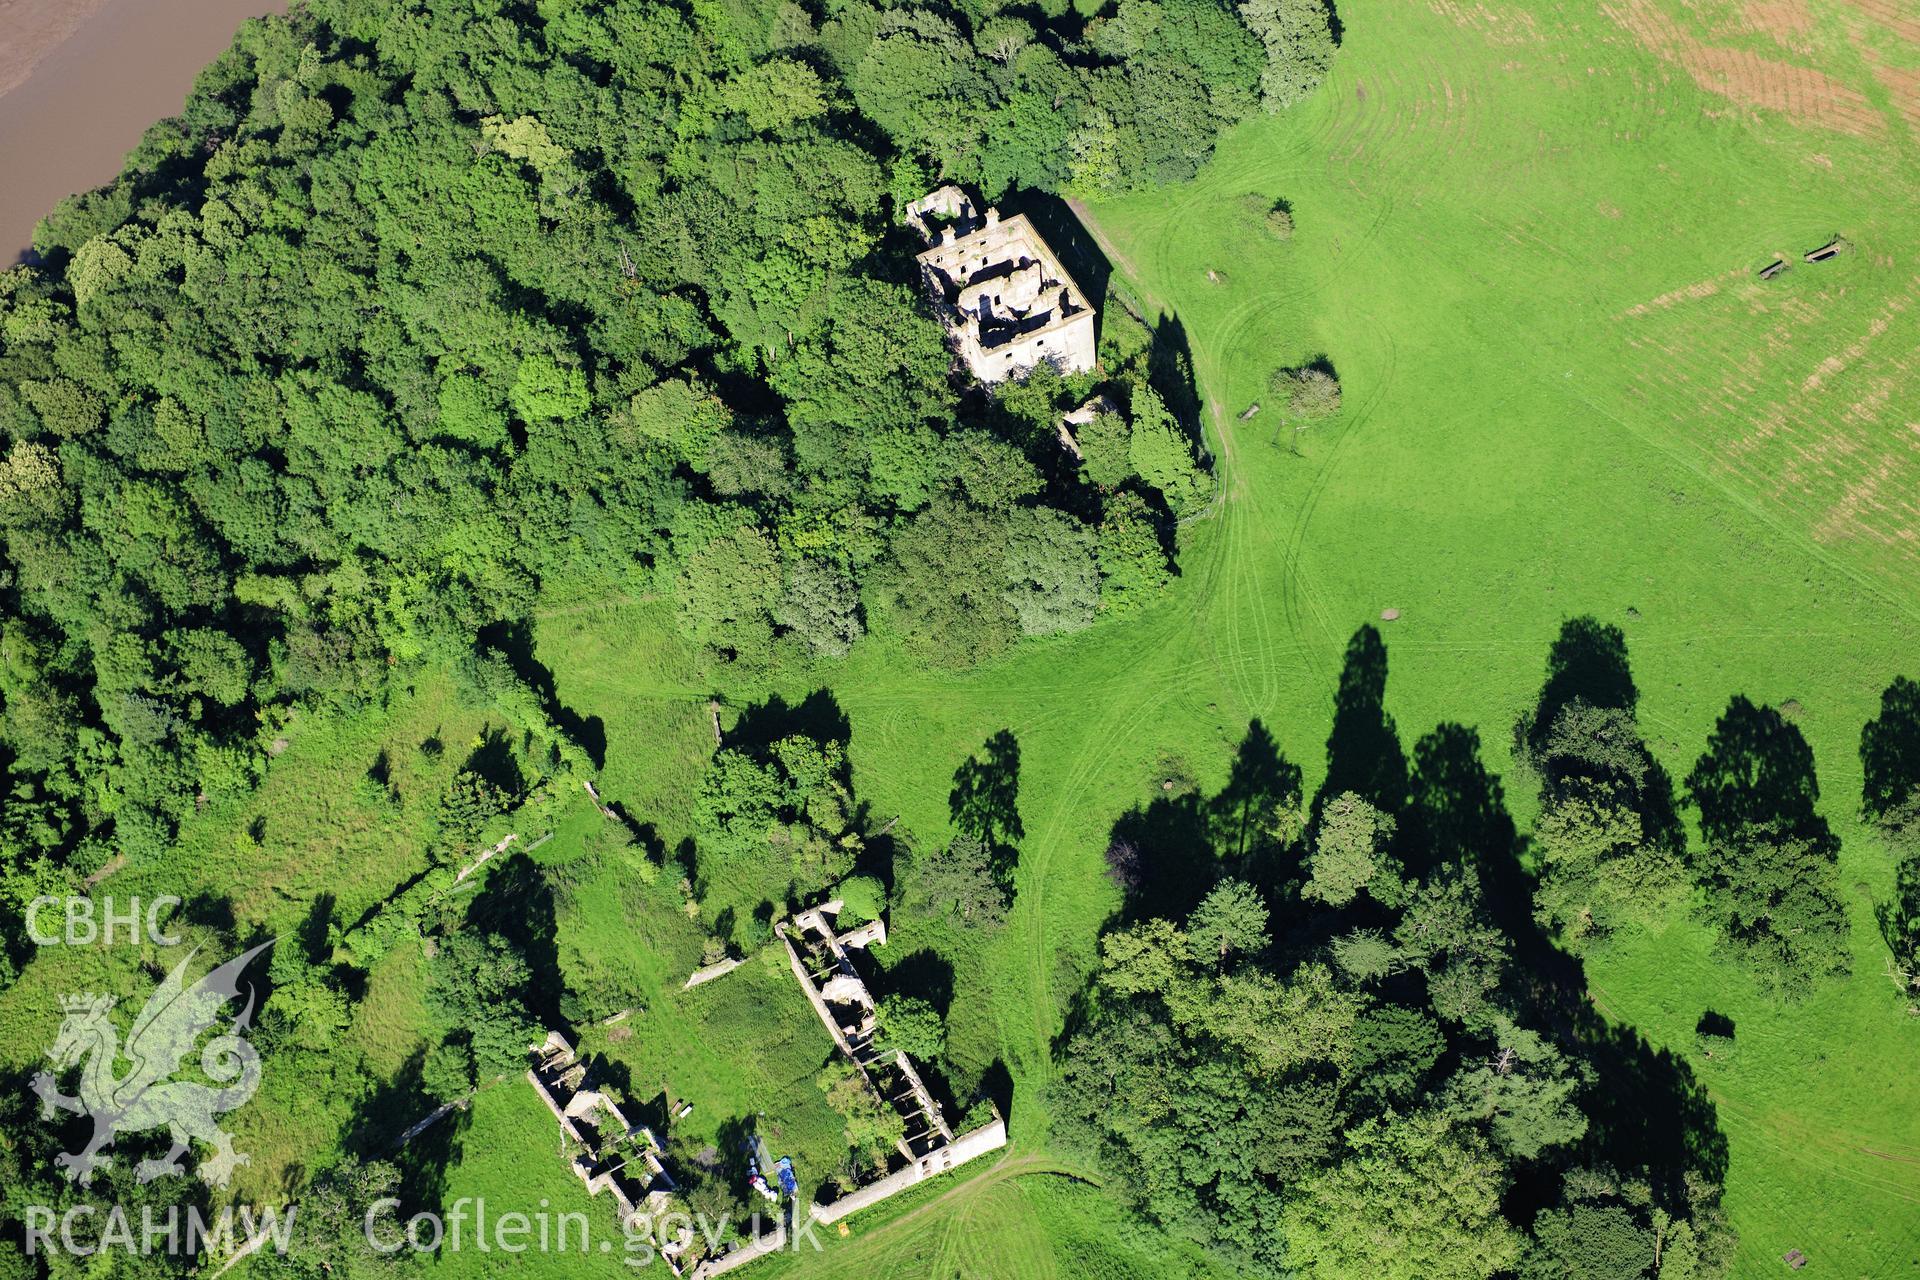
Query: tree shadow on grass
(316, 932)
(1890, 797)
(1712, 1023)
(1890, 751)
(996, 1086)
(1170, 372)
(1363, 751)
(1647, 1113)
(735, 1141)
(515, 641)
(746, 934)
(380, 1122)
(985, 801)
(1757, 770)
(926, 975)
(494, 761)
(1660, 809)
(1456, 810)
(730, 865)
(653, 1110)
(882, 854)
(1588, 663)
(207, 910)
(1159, 858)
(817, 716)
(1261, 783)
(517, 903)
(1575, 736)
(1166, 855)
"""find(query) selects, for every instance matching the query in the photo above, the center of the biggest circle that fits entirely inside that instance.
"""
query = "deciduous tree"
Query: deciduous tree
(1419, 1199)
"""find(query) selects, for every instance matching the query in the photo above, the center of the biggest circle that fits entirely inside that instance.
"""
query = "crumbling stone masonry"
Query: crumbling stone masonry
(1007, 302)
(610, 1153)
(817, 952)
(1069, 429)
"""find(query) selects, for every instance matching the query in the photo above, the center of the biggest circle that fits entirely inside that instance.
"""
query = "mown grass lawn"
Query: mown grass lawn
(1528, 238)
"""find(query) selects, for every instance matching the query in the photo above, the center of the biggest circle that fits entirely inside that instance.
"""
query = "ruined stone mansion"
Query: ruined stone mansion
(611, 1153)
(1007, 302)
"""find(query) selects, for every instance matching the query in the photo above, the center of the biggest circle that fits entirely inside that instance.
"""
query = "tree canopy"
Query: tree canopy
(417, 314)
(1353, 1056)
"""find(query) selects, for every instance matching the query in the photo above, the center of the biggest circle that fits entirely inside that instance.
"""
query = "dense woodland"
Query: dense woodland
(1345, 1034)
(1363, 1051)
(424, 313)
(1351, 1036)
(421, 312)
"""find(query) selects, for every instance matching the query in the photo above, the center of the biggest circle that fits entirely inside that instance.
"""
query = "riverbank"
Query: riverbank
(81, 80)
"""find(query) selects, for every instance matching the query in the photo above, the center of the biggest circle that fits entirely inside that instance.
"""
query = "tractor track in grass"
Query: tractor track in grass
(1384, 156)
(1090, 759)
(1298, 596)
(1226, 566)
(1248, 670)
(1364, 133)
(1256, 677)
(867, 1246)
(1253, 676)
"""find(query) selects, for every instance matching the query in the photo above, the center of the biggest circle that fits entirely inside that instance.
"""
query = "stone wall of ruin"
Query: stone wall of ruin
(988, 1137)
(1037, 286)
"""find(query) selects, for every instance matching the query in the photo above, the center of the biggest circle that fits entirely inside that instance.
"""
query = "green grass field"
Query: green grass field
(509, 1156)
(1019, 1219)
(1568, 392)
(1528, 239)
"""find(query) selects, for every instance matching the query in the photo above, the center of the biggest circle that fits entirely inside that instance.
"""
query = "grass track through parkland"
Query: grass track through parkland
(1529, 238)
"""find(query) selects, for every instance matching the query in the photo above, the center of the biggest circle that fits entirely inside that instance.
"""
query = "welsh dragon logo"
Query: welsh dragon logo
(147, 1097)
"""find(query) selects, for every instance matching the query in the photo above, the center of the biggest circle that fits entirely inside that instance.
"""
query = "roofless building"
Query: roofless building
(1005, 299)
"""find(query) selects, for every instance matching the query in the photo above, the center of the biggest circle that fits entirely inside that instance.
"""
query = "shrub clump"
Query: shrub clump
(1311, 391)
(1276, 214)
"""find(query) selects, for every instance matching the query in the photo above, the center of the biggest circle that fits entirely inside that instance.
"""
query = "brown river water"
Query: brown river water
(96, 74)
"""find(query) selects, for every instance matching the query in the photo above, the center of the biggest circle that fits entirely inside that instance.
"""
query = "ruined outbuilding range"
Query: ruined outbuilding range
(1004, 297)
